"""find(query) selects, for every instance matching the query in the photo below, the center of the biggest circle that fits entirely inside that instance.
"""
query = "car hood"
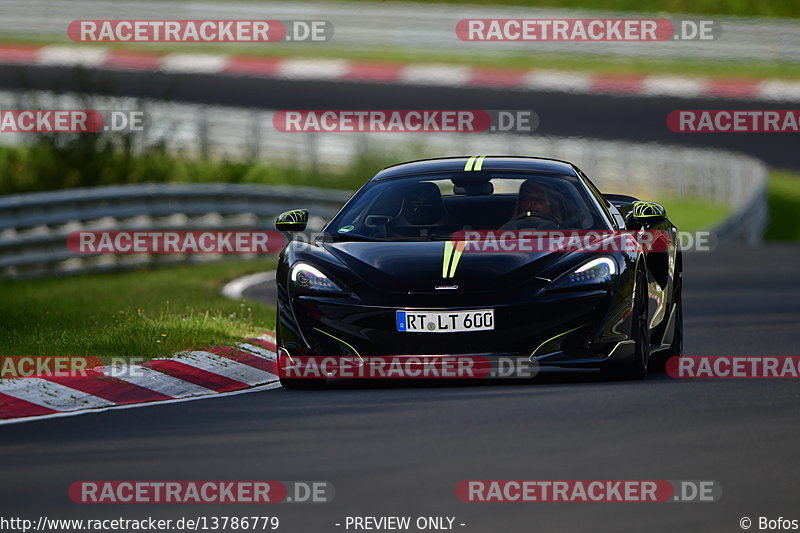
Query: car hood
(419, 267)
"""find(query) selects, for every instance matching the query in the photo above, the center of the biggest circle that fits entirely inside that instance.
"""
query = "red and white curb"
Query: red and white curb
(411, 74)
(189, 375)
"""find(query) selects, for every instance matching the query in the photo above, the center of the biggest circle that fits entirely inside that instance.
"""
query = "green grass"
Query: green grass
(481, 57)
(783, 197)
(141, 313)
(759, 8)
(690, 214)
(745, 8)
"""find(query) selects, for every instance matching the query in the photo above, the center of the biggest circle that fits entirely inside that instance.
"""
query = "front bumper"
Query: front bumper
(563, 329)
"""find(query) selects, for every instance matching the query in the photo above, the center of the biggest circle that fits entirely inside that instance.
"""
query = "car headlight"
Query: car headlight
(594, 272)
(308, 278)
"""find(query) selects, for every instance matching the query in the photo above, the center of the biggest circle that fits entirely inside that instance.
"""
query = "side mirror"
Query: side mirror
(294, 220)
(648, 213)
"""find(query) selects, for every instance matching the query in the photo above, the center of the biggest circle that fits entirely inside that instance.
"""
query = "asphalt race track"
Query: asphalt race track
(641, 119)
(401, 448)
(398, 449)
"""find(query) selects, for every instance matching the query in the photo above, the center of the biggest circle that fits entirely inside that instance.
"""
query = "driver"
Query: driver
(537, 206)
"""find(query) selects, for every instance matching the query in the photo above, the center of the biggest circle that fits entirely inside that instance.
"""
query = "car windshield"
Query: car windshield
(434, 206)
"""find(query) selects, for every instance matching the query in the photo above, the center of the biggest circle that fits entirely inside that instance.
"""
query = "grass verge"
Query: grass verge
(44, 167)
(693, 214)
(743, 8)
(783, 198)
(141, 313)
(598, 64)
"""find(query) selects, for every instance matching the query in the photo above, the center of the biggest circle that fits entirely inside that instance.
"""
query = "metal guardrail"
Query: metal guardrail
(748, 223)
(33, 227)
(644, 168)
(414, 27)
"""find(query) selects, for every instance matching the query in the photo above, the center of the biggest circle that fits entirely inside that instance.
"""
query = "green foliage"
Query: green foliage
(143, 313)
(783, 197)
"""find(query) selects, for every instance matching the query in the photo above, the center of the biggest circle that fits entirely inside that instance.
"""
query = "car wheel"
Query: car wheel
(640, 335)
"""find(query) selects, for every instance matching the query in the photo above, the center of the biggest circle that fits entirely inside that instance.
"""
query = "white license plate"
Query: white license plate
(445, 321)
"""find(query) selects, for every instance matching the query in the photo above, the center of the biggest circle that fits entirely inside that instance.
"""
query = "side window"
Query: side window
(617, 216)
(610, 211)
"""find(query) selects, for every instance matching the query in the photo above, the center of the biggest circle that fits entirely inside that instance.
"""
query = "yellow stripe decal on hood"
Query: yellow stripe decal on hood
(448, 253)
(459, 248)
(479, 163)
(452, 254)
(470, 162)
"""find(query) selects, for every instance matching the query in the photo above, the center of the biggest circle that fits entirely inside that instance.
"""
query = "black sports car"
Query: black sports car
(392, 273)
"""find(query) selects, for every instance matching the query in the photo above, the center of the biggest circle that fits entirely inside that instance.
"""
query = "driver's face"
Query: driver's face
(536, 201)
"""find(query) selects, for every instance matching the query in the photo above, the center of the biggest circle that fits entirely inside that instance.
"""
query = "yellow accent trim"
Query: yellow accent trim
(620, 343)
(448, 253)
(647, 209)
(459, 249)
(555, 337)
(470, 162)
(479, 163)
(287, 354)
(343, 342)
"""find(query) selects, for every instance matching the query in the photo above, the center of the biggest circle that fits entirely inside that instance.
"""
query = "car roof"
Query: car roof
(488, 162)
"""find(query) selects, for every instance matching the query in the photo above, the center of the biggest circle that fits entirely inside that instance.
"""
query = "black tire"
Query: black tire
(637, 367)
